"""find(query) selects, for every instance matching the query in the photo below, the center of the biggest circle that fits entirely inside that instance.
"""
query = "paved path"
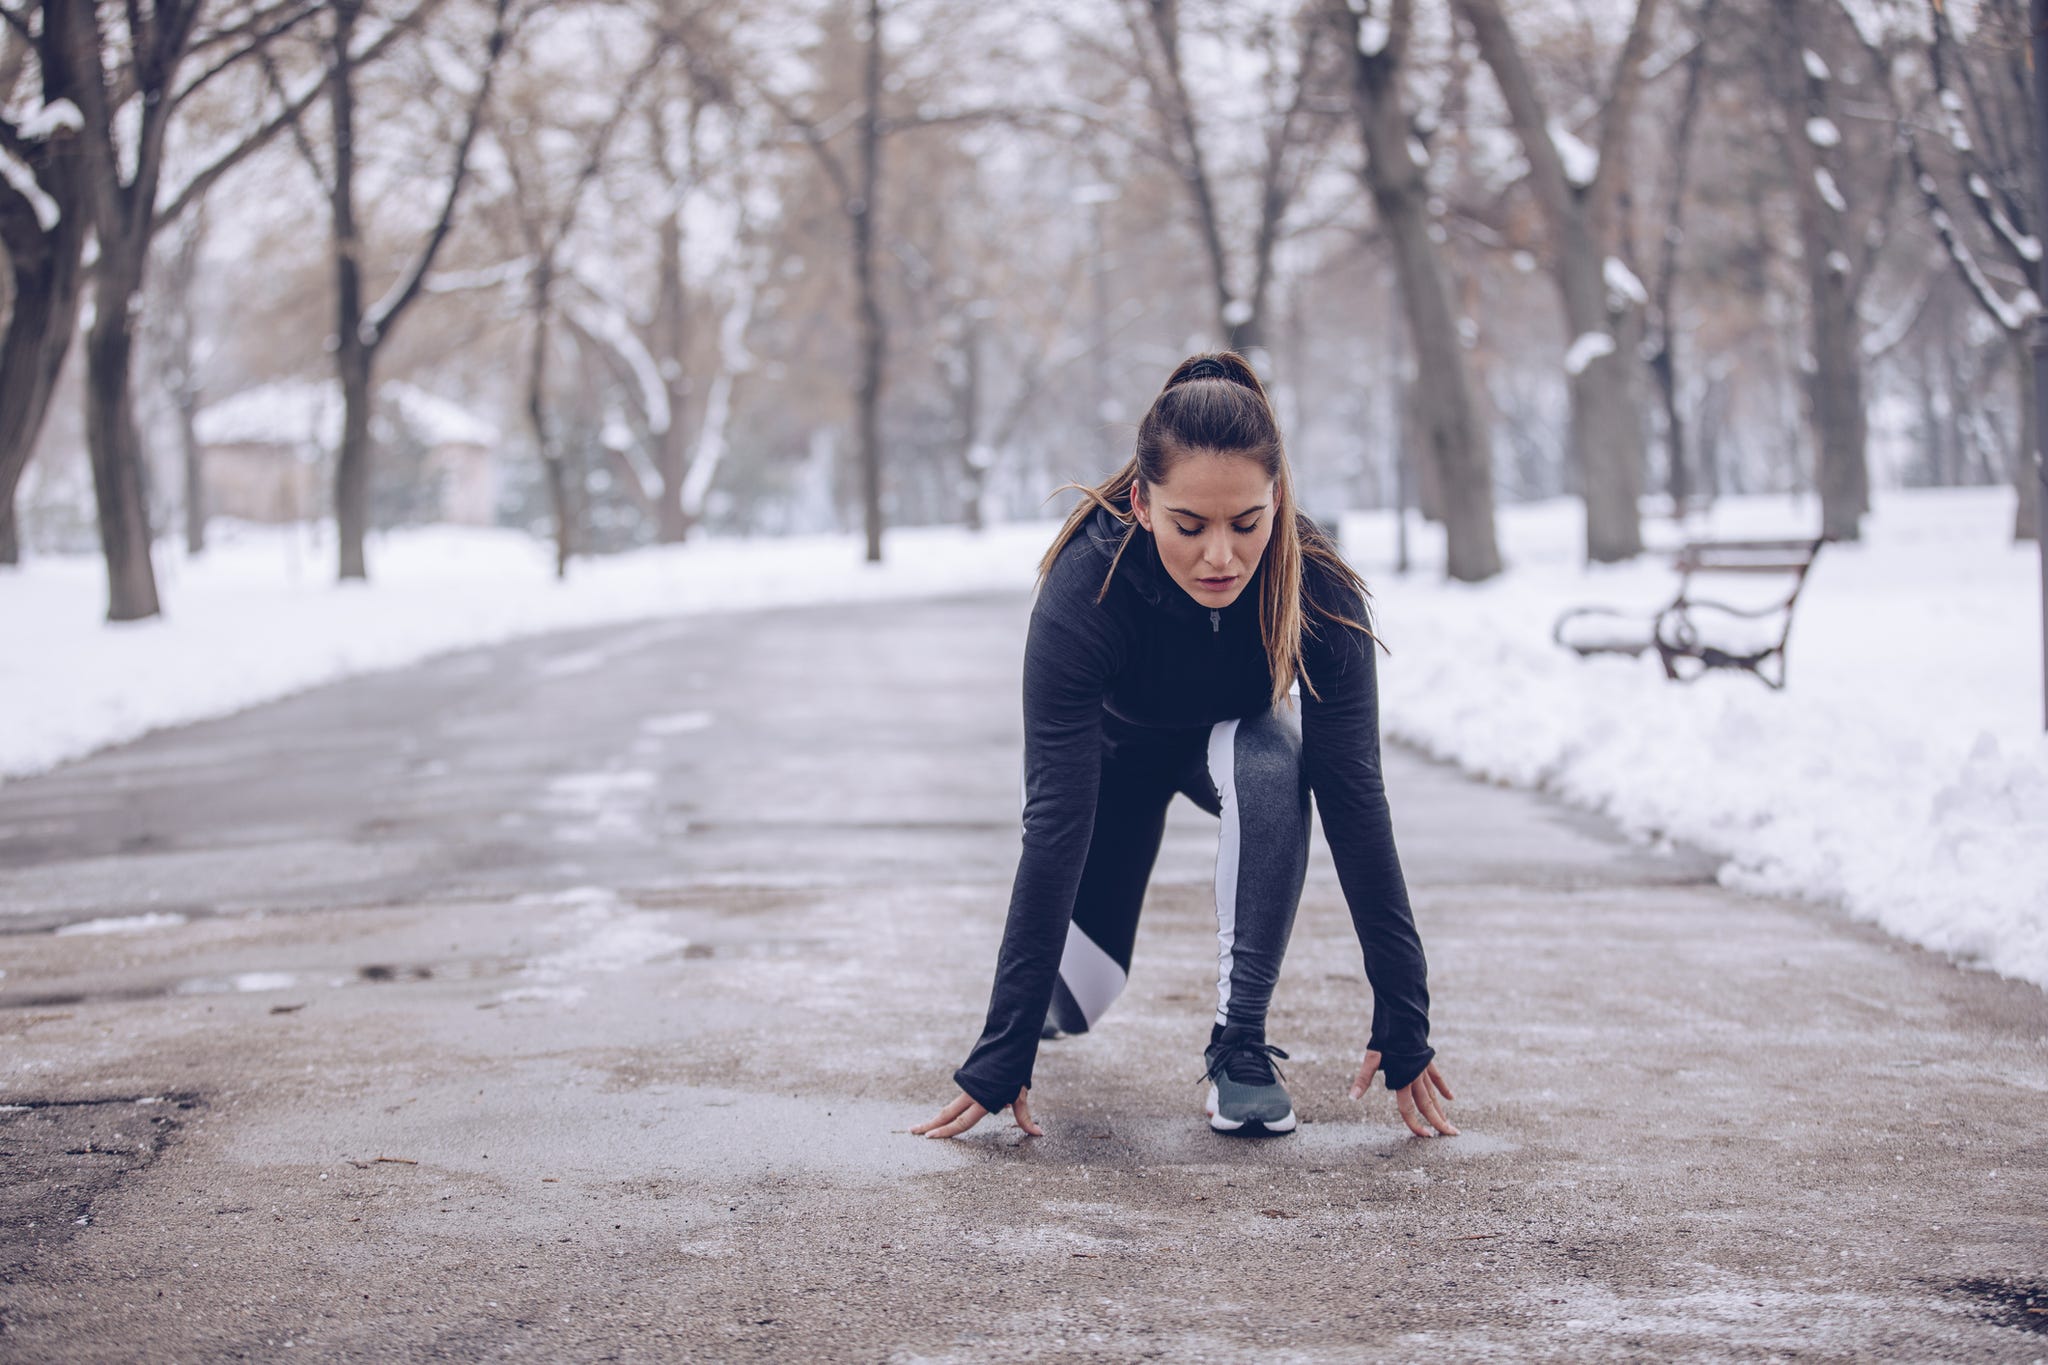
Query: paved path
(568, 1001)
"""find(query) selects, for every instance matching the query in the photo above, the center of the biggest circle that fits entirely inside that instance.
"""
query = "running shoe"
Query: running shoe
(1246, 1093)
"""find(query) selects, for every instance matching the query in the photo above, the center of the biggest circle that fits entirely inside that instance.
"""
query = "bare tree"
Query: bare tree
(1984, 104)
(857, 185)
(44, 219)
(674, 129)
(171, 333)
(361, 329)
(653, 353)
(1661, 344)
(126, 106)
(1838, 250)
(1576, 197)
(1293, 130)
(1395, 172)
(545, 214)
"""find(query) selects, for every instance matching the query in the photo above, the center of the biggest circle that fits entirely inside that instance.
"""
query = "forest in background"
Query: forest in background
(761, 267)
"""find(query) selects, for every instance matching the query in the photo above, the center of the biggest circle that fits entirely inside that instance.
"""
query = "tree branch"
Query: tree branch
(1616, 120)
(381, 318)
(593, 162)
(295, 108)
(828, 160)
(2006, 220)
(197, 188)
(2013, 317)
(1497, 44)
(301, 10)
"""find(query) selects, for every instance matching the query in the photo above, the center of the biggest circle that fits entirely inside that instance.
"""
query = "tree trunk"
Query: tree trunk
(537, 415)
(1844, 478)
(1606, 427)
(671, 326)
(352, 461)
(1677, 478)
(1606, 437)
(2028, 474)
(1458, 460)
(47, 284)
(873, 340)
(112, 440)
(45, 265)
(1664, 361)
(1835, 392)
(195, 471)
(175, 350)
(1713, 407)
(974, 460)
(352, 354)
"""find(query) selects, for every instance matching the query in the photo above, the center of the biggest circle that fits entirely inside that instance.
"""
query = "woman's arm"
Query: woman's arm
(1069, 658)
(1341, 750)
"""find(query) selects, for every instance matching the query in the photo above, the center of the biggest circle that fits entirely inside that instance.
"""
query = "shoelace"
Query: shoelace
(1247, 1063)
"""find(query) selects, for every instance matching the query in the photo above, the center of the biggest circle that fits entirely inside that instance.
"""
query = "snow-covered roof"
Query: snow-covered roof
(304, 412)
(436, 420)
(289, 412)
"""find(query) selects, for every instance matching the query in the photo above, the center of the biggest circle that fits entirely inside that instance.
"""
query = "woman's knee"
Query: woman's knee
(1268, 757)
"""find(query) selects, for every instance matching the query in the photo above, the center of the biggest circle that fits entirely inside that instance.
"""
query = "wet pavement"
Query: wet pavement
(569, 1001)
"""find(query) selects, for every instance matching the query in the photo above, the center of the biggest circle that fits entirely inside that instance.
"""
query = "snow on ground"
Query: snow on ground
(1903, 775)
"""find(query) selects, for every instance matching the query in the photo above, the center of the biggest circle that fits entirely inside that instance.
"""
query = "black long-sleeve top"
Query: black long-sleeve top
(1151, 655)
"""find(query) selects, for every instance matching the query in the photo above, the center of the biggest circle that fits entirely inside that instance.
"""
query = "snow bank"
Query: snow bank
(1903, 774)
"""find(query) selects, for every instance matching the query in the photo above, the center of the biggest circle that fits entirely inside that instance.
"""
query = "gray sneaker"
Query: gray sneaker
(1246, 1094)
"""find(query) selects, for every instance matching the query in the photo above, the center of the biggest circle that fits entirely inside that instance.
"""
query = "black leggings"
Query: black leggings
(1249, 773)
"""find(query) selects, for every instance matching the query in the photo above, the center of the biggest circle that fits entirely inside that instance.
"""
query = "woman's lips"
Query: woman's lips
(1217, 584)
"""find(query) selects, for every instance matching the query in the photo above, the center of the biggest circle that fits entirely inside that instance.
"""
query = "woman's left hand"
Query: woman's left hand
(1416, 1100)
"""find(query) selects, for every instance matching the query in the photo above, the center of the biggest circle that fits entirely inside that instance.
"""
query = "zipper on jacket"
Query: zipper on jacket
(1215, 623)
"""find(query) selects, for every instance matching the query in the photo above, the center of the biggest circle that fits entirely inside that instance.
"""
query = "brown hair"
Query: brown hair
(1213, 403)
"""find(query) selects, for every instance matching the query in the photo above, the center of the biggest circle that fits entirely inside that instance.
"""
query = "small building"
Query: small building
(462, 451)
(268, 452)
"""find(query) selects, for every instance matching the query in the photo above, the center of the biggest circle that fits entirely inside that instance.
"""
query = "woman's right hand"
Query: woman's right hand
(964, 1112)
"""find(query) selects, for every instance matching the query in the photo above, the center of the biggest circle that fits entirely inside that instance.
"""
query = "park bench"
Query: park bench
(1692, 635)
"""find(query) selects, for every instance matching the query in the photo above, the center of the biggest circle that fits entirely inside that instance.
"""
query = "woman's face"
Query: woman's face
(1212, 516)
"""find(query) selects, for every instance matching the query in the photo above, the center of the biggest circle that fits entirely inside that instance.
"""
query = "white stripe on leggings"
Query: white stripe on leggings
(1092, 976)
(1223, 773)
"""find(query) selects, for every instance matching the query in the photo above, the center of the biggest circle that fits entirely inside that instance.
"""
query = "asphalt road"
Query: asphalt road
(569, 1001)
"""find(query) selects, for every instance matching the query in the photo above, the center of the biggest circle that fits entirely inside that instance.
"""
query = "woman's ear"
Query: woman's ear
(1143, 512)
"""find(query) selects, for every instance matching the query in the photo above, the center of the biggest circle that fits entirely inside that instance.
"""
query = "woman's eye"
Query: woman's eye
(1244, 530)
(1184, 530)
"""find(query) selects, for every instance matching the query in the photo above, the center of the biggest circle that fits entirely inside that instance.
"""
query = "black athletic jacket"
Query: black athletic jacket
(1153, 656)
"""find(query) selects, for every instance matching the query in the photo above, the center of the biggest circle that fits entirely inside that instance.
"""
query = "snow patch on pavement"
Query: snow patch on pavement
(681, 723)
(604, 805)
(597, 934)
(122, 924)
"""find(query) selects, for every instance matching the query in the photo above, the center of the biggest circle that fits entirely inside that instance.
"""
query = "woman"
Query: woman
(1177, 608)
